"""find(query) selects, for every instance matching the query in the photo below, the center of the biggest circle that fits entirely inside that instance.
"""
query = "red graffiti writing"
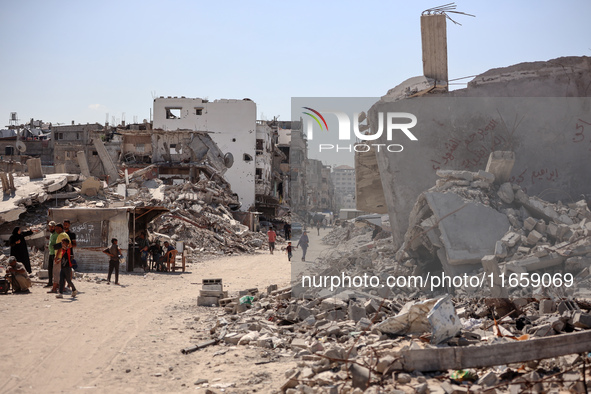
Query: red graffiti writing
(473, 145)
(544, 174)
(580, 128)
(518, 180)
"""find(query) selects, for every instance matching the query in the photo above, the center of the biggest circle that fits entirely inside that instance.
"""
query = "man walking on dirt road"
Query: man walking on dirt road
(272, 237)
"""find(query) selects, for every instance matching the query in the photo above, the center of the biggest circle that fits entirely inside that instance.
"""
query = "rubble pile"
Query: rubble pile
(346, 344)
(199, 215)
(21, 192)
(466, 222)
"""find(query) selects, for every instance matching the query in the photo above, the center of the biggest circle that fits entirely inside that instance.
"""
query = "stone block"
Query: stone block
(552, 230)
(547, 307)
(510, 239)
(506, 193)
(207, 301)
(332, 303)
(582, 320)
(484, 176)
(299, 343)
(541, 227)
(480, 184)
(529, 223)
(34, 169)
(356, 312)
(455, 174)
(534, 237)
(500, 164)
(489, 379)
(500, 250)
(302, 313)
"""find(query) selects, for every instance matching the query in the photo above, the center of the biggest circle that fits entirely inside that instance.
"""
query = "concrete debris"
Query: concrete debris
(333, 350)
(406, 338)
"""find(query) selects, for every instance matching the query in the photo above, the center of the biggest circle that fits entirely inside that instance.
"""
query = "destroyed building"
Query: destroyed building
(320, 187)
(231, 125)
(458, 130)
(271, 182)
(298, 162)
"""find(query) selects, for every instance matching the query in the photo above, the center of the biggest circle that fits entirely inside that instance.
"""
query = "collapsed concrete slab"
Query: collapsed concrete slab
(469, 234)
(28, 192)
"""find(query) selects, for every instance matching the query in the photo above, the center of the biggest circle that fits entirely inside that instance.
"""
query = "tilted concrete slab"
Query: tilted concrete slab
(469, 234)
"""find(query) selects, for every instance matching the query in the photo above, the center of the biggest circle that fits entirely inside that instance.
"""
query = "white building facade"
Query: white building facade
(231, 125)
(343, 178)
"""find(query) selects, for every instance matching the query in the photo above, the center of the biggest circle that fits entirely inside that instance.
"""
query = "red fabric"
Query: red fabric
(272, 235)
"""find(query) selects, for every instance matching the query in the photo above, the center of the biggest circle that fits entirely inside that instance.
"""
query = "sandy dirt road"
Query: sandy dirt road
(128, 338)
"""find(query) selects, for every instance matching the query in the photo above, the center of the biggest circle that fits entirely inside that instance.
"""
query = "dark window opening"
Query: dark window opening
(259, 173)
(94, 153)
(247, 157)
(198, 111)
(173, 113)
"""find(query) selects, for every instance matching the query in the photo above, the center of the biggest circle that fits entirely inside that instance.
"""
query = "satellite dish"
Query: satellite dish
(228, 160)
(20, 146)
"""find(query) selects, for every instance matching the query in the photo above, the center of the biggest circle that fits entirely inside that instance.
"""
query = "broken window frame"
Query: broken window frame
(173, 115)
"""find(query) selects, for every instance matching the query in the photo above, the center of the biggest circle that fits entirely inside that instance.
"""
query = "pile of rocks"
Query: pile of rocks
(343, 346)
(466, 221)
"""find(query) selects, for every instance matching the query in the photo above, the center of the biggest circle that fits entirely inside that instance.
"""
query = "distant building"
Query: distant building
(68, 140)
(320, 187)
(343, 178)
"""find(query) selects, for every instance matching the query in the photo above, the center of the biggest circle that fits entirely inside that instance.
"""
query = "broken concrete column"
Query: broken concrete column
(11, 182)
(34, 169)
(5, 184)
(110, 168)
(500, 163)
(491, 267)
(434, 40)
(83, 163)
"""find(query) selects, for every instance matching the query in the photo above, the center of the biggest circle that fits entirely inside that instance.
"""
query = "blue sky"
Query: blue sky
(78, 60)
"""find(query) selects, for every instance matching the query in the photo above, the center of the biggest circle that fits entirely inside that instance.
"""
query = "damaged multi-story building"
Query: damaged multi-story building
(75, 144)
(231, 124)
(320, 187)
(271, 186)
(298, 163)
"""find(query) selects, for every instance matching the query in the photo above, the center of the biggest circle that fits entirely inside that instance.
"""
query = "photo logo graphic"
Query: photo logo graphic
(392, 121)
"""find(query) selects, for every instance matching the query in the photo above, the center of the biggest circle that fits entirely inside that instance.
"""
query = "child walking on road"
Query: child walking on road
(288, 249)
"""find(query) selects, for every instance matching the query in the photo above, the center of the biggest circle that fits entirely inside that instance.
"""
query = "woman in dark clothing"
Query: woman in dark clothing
(18, 247)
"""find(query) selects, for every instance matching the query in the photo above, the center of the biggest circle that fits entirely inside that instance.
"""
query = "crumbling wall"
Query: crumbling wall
(457, 131)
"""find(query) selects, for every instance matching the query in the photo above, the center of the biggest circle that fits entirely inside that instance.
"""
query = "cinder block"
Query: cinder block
(207, 301)
(547, 306)
(211, 281)
(212, 287)
(582, 320)
(210, 293)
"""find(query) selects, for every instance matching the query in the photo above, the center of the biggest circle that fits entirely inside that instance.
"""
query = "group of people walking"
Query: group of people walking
(303, 242)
